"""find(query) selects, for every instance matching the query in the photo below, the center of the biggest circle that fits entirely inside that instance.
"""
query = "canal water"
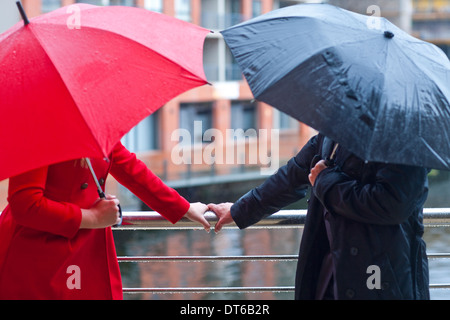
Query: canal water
(232, 242)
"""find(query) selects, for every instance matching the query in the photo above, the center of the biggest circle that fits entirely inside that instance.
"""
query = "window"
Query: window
(195, 118)
(256, 8)
(287, 3)
(218, 62)
(210, 15)
(129, 3)
(432, 5)
(50, 5)
(153, 5)
(445, 48)
(183, 9)
(95, 2)
(286, 121)
(144, 136)
(243, 115)
(232, 70)
(211, 58)
(233, 13)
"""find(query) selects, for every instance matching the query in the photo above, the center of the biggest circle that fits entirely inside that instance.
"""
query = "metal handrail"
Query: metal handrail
(209, 290)
(150, 220)
(286, 257)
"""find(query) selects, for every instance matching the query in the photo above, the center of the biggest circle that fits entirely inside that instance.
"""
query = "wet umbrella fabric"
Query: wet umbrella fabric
(359, 80)
(75, 81)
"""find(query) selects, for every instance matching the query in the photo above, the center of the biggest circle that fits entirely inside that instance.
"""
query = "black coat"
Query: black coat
(375, 218)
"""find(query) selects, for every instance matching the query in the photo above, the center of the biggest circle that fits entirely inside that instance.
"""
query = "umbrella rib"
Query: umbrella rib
(185, 73)
(424, 71)
(423, 43)
(191, 73)
(253, 23)
(319, 50)
(65, 85)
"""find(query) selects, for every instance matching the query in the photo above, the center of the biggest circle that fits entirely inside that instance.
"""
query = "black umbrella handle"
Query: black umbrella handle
(102, 195)
(329, 162)
(120, 217)
(100, 192)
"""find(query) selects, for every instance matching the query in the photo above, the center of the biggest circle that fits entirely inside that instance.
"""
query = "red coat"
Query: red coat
(44, 254)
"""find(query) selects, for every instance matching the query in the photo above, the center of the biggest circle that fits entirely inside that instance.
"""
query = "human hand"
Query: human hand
(316, 170)
(196, 213)
(104, 213)
(222, 211)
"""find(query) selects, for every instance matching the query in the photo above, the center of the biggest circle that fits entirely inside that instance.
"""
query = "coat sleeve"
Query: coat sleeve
(389, 199)
(140, 180)
(287, 185)
(30, 207)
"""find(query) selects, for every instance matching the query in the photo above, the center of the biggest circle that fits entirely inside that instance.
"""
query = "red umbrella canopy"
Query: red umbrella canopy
(75, 81)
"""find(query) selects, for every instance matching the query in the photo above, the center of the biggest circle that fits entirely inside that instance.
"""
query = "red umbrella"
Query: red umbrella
(74, 81)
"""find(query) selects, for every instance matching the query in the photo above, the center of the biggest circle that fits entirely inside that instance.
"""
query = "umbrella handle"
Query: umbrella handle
(103, 196)
(100, 192)
(329, 161)
(120, 217)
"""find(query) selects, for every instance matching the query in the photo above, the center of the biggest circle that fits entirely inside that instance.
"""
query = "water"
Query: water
(438, 239)
(210, 274)
(249, 273)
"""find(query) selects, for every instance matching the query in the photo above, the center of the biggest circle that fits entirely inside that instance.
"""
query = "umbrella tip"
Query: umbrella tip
(388, 34)
(22, 12)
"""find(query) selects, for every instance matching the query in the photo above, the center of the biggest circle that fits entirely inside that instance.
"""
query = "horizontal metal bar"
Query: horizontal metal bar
(231, 289)
(208, 289)
(438, 255)
(440, 286)
(207, 258)
(436, 217)
(287, 257)
(150, 220)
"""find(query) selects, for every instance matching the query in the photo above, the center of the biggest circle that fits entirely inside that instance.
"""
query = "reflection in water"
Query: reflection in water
(438, 240)
(228, 242)
(234, 273)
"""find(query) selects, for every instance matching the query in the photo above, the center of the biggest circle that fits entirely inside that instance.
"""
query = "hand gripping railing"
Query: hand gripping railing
(149, 220)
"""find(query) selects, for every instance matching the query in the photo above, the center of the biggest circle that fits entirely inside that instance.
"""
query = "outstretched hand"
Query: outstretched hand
(222, 211)
(196, 213)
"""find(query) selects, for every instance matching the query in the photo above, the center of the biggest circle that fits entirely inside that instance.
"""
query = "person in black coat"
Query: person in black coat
(362, 237)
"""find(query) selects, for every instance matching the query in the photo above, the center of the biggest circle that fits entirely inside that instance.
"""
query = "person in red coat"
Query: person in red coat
(55, 235)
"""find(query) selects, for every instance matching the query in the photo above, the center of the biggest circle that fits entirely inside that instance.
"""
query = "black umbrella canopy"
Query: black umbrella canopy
(379, 92)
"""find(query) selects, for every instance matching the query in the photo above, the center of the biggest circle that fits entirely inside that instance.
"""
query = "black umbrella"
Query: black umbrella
(379, 92)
